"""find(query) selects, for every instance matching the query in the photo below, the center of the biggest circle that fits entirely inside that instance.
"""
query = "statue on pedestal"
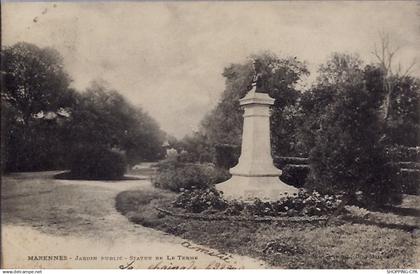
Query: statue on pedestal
(255, 175)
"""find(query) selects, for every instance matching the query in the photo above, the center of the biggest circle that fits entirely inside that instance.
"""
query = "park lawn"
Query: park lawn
(343, 244)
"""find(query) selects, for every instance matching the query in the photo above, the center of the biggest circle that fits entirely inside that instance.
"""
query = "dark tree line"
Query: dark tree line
(46, 123)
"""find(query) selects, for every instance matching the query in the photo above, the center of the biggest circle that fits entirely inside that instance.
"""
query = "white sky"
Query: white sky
(167, 57)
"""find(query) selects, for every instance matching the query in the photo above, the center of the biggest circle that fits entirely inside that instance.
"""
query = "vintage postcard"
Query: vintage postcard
(210, 135)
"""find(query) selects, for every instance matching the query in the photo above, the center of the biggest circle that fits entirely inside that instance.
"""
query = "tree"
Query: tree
(104, 117)
(403, 117)
(198, 148)
(34, 80)
(348, 155)
(43, 120)
(339, 69)
(35, 101)
(385, 56)
(313, 105)
(400, 106)
(223, 125)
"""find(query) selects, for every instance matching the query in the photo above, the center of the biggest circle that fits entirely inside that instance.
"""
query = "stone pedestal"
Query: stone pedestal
(255, 175)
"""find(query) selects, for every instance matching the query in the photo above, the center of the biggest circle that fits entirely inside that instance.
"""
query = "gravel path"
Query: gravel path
(42, 216)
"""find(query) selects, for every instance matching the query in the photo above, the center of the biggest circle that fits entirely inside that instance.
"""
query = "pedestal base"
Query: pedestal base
(247, 188)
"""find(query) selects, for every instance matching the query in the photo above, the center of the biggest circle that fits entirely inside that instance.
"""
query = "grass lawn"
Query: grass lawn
(378, 240)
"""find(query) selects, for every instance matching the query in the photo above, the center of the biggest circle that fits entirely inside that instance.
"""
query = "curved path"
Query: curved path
(76, 220)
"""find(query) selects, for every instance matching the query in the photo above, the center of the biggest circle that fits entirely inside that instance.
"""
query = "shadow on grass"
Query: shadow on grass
(403, 211)
(70, 176)
(404, 227)
(24, 195)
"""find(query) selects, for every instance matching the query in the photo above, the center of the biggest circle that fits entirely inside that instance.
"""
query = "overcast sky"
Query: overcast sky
(168, 57)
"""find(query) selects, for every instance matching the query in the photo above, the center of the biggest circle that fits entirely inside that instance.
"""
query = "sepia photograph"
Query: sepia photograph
(210, 135)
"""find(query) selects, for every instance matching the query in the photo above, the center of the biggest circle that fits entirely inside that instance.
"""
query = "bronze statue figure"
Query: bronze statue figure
(258, 77)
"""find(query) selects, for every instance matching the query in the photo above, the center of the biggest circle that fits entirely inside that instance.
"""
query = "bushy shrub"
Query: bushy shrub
(406, 159)
(199, 200)
(97, 162)
(295, 170)
(302, 204)
(178, 176)
(227, 155)
(410, 181)
(295, 175)
(348, 155)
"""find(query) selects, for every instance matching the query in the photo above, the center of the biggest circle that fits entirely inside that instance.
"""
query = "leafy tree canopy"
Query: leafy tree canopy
(348, 154)
(223, 125)
(34, 80)
(43, 119)
(103, 116)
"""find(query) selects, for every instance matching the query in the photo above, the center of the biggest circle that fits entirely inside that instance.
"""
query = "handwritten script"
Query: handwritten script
(223, 256)
(189, 265)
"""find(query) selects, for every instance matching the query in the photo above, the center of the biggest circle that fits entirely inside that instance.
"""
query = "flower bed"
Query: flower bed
(303, 203)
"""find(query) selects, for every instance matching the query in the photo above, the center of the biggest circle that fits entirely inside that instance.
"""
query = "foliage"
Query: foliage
(295, 170)
(295, 175)
(403, 117)
(226, 156)
(97, 162)
(303, 204)
(275, 243)
(223, 125)
(410, 181)
(196, 148)
(177, 176)
(36, 100)
(313, 105)
(348, 155)
(200, 200)
(43, 119)
(103, 116)
(409, 173)
(34, 80)
(33, 147)
(339, 69)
